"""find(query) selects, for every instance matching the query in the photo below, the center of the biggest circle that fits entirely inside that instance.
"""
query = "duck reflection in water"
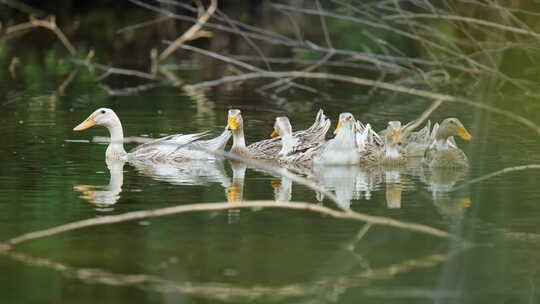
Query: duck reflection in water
(190, 172)
(235, 192)
(348, 182)
(105, 196)
(441, 182)
(394, 188)
(282, 189)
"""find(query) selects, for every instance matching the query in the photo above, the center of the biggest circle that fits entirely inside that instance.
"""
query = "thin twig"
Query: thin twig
(191, 32)
(422, 117)
(496, 173)
(48, 24)
(109, 70)
(468, 20)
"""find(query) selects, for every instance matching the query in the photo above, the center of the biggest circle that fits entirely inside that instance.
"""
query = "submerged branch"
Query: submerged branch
(231, 292)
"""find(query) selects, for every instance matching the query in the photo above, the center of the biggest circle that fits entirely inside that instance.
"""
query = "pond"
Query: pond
(52, 176)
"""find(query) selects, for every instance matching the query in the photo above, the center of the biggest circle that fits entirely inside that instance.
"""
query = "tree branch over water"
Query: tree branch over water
(137, 215)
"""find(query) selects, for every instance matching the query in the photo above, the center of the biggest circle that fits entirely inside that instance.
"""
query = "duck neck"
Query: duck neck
(392, 152)
(287, 144)
(115, 150)
(346, 137)
(238, 139)
(441, 144)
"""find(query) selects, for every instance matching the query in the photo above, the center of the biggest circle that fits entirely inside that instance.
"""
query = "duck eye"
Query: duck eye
(102, 111)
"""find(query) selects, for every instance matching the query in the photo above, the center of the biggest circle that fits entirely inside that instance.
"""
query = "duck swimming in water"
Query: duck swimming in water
(443, 152)
(390, 152)
(270, 149)
(176, 147)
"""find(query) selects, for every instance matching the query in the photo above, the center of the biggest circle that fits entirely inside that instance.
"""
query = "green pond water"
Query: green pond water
(51, 175)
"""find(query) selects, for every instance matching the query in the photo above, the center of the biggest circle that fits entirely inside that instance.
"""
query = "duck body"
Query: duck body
(443, 151)
(341, 150)
(389, 153)
(444, 155)
(176, 147)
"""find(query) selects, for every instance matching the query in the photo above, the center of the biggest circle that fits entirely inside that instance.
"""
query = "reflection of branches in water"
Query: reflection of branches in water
(231, 292)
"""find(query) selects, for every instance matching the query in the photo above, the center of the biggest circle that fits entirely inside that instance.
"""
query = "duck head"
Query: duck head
(452, 127)
(282, 126)
(394, 133)
(234, 120)
(345, 119)
(102, 117)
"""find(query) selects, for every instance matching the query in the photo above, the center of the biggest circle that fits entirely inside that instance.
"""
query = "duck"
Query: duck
(443, 151)
(390, 152)
(340, 150)
(177, 147)
(270, 149)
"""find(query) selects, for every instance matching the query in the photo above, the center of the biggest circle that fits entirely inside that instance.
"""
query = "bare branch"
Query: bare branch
(190, 34)
(48, 24)
(137, 215)
(497, 173)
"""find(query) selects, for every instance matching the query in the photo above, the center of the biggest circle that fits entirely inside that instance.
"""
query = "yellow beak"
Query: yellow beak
(274, 134)
(232, 123)
(395, 136)
(463, 133)
(339, 124)
(89, 122)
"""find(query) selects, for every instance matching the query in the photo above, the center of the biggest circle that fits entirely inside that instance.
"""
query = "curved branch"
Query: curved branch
(130, 216)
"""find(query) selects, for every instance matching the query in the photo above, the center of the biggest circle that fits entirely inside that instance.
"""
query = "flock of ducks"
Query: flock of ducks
(354, 143)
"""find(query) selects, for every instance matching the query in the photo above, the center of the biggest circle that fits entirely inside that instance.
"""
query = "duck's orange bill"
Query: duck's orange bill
(463, 133)
(274, 134)
(89, 122)
(339, 125)
(232, 123)
(395, 136)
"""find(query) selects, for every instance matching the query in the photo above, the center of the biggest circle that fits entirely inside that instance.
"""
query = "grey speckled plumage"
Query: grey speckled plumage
(269, 149)
(390, 153)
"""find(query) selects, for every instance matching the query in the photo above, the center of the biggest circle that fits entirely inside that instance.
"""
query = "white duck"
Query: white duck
(176, 147)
